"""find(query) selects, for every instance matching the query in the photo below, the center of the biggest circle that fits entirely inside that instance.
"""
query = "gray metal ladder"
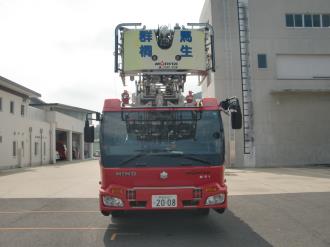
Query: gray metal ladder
(243, 28)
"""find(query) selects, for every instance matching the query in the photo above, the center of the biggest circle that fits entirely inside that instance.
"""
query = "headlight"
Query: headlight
(216, 199)
(112, 201)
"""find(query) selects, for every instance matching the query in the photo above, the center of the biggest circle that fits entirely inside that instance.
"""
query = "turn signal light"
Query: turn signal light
(211, 189)
(116, 191)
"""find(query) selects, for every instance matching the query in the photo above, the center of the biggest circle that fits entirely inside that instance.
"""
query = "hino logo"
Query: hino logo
(163, 175)
(126, 174)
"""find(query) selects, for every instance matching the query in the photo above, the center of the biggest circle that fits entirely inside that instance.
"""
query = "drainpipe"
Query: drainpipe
(50, 145)
(41, 149)
(30, 131)
(52, 134)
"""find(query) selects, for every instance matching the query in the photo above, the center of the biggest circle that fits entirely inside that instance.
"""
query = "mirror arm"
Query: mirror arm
(230, 105)
(225, 112)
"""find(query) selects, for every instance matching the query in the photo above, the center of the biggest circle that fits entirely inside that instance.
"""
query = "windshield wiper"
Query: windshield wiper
(154, 153)
(186, 164)
(132, 158)
(159, 151)
(195, 159)
(140, 165)
(188, 157)
(172, 154)
(180, 154)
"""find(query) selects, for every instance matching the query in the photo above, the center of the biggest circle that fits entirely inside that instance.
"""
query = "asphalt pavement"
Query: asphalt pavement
(57, 206)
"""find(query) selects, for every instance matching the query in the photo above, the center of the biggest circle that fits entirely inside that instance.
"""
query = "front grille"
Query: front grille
(138, 204)
(190, 203)
(131, 195)
(197, 193)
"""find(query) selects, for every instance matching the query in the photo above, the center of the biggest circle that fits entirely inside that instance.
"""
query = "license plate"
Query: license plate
(164, 201)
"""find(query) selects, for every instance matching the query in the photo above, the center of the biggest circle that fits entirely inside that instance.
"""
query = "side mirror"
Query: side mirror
(236, 119)
(232, 105)
(88, 133)
(98, 116)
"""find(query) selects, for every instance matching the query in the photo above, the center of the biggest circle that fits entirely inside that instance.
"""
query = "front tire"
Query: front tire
(105, 213)
(220, 210)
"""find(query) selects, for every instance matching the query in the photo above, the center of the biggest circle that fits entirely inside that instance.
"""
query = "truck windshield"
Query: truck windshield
(161, 139)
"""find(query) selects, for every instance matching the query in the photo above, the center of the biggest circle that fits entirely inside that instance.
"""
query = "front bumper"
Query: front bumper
(140, 198)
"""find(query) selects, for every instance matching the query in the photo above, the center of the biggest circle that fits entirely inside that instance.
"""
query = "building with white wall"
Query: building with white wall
(29, 133)
(275, 56)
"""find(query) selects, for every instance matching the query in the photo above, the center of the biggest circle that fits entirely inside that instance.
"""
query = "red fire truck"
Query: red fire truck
(159, 149)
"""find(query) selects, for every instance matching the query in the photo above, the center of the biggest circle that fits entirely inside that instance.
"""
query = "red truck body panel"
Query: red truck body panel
(144, 182)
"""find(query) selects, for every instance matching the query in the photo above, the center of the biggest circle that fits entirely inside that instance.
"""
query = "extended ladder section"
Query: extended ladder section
(245, 75)
(159, 60)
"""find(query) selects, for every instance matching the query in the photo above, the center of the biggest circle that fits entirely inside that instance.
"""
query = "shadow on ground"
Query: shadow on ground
(294, 219)
(182, 229)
